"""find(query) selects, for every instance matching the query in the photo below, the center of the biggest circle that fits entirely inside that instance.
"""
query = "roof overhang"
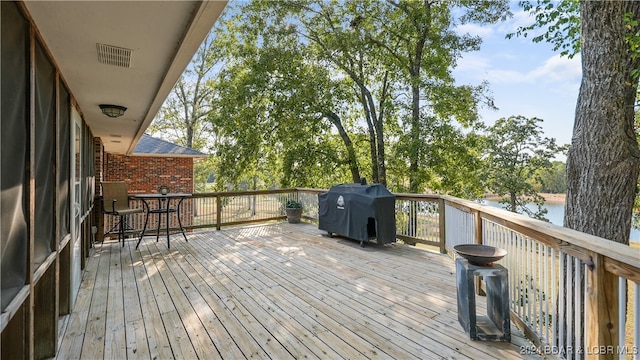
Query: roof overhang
(163, 36)
(154, 147)
(198, 157)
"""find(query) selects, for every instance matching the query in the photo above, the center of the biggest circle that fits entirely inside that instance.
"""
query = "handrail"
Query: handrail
(243, 193)
(572, 242)
(620, 260)
(581, 278)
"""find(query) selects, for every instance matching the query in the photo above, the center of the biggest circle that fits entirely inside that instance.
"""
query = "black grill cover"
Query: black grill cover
(359, 212)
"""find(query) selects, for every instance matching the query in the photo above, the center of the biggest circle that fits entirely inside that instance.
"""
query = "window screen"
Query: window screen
(64, 171)
(44, 156)
(14, 236)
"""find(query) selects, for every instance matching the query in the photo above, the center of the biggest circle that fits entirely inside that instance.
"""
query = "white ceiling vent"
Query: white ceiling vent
(113, 55)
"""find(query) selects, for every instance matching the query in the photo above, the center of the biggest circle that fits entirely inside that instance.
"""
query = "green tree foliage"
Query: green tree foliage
(202, 173)
(632, 38)
(182, 118)
(419, 40)
(336, 35)
(334, 87)
(275, 108)
(552, 180)
(517, 152)
(561, 21)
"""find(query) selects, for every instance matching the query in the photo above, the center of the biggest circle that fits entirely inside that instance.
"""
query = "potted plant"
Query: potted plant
(294, 211)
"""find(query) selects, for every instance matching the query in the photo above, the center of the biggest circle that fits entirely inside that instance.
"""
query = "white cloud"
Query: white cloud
(473, 62)
(506, 77)
(558, 68)
(520, 18)
(525, 78)
(475, 30)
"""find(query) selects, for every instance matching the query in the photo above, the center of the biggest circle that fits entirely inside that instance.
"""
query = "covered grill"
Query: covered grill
(359, 212)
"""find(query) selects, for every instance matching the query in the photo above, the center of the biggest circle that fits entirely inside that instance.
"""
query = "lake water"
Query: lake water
(555, 214)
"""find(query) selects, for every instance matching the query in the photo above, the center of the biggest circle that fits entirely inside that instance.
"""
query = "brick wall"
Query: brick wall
(98, 159)
(145, 174)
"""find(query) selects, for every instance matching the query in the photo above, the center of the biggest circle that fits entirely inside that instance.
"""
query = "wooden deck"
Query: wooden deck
(272, 291)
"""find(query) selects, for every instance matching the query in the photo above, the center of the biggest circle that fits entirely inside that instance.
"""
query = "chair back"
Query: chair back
(115, 190)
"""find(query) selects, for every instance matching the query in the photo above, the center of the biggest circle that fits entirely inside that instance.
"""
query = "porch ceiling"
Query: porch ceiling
(163, 37)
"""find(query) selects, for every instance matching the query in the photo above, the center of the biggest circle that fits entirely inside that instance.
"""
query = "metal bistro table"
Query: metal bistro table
(164, 207)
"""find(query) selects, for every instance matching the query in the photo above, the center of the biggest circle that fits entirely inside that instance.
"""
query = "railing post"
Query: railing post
(601, 311)
(441, 223)
(477, 227)
(477, 232)
(218, 212)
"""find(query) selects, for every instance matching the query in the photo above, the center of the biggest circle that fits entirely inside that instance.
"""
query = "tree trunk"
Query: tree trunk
(414, 157)
(372, 134)
(351, 153)
(414, 152)
(254, 199)
(189, 140)
(513, 198)
(603, 160)
(414, 66)
(379, 126)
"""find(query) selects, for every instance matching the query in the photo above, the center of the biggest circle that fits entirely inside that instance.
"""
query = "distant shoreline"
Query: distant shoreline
(548, 198)
(555, 207)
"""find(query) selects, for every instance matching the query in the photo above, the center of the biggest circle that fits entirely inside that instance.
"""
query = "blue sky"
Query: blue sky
(525, 78)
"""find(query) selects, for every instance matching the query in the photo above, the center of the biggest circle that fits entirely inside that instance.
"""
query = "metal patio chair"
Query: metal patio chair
(115, 202)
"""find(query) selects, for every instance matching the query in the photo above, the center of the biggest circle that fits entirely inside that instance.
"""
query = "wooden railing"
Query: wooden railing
(216, 209)
(574, 295)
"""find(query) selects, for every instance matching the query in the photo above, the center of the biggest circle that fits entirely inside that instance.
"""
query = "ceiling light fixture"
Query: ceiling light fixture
(112, 111)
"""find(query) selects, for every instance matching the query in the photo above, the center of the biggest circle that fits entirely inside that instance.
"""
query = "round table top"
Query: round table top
(160, 196)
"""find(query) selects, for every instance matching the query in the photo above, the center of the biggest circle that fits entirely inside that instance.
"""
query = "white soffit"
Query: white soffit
(127, 53)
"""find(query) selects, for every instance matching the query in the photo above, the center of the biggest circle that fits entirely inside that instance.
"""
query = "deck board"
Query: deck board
(76, 322)
(270, 291)
(95, 325)
(137, 344)
(115, 334)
